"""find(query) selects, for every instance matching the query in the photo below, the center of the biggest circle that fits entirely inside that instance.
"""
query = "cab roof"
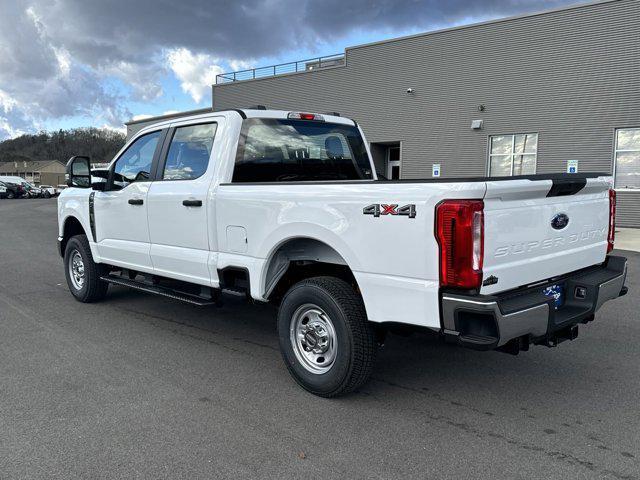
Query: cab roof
(244, 113)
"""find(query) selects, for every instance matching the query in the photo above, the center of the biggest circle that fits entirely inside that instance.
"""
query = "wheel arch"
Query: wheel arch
(298, 257)
(71, 226)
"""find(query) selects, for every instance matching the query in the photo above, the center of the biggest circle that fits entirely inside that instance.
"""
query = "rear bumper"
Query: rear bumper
(515, 319)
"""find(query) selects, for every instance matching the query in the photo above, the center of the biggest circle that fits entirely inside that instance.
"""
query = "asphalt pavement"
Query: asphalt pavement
(139, 386)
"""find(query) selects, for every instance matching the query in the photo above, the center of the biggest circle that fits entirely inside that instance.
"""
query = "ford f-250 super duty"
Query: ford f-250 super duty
(286, 207)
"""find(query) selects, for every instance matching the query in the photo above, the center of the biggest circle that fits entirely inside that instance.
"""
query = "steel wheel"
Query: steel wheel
(313, 338)
(76, 270)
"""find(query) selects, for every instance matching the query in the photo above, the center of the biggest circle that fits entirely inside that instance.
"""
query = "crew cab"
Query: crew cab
(286, 207)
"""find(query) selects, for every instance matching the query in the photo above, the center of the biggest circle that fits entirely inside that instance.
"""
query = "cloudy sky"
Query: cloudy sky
(69, 63)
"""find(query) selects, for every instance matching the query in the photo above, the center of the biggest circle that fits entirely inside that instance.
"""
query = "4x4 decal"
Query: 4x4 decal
(378, 209)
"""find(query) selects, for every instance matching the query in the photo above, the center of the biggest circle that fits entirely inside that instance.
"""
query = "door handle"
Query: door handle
(136, 201)
(192, 203)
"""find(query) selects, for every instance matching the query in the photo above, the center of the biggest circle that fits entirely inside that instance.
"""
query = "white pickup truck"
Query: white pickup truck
(286, 207)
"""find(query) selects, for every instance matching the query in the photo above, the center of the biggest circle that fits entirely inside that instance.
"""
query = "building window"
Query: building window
(513, 154)
(627, 158)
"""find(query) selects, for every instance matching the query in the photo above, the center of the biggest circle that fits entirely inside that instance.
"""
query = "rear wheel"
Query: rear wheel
(325, 338)
(10, 195)
(46, 194)
(83, 274)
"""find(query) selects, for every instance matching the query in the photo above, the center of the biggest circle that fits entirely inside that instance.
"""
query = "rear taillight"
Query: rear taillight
(460, 234)
(612, 220)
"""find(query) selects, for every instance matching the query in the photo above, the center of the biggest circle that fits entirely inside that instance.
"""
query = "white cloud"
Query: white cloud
(142, 116)
(122, 129)
(7, 130)
(237, 65)
(142, 78)
(64, 60)
(41, 80)
(6, 102)
(196, 71)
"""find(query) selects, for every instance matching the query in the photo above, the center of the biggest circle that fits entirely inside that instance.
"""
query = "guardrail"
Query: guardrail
(282, 68)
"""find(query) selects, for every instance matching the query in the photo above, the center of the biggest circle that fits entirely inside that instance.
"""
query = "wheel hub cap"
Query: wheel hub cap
(76, 270)
(313, 338)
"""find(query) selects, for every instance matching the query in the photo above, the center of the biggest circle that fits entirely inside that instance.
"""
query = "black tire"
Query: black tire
(46, 194)
(92, 289)
(355, 342)
(10, 195)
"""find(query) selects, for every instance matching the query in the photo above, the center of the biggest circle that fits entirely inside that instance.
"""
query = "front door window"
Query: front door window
(134, 165)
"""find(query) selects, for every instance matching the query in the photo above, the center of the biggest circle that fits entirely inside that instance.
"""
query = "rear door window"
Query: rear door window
(189, 152)
(274, 150)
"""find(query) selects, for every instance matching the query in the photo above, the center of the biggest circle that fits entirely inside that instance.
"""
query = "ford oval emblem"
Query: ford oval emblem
(560, 221)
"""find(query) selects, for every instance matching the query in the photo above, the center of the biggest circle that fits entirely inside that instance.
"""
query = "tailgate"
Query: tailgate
(523, 241)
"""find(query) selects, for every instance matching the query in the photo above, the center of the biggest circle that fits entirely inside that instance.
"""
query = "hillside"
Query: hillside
(100, 144)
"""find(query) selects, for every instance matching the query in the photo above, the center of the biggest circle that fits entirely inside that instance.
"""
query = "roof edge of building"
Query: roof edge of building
(169, 116)
(572, 6)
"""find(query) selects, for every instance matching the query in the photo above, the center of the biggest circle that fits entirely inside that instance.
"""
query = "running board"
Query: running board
(162, 291)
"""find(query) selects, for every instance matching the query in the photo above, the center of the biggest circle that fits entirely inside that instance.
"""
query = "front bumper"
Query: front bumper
(513, 320)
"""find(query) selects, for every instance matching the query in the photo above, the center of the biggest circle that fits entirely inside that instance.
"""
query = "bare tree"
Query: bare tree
(100, 144)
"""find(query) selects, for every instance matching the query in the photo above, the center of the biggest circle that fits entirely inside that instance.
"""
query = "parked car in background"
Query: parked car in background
(60, 188)
(10, 190)
(48, 191)
(12, 179)
(32, 190)
(21, 192)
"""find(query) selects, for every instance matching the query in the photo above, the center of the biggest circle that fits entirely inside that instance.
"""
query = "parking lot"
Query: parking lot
(142, 386)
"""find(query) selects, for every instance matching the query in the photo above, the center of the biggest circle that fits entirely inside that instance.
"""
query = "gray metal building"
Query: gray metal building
(538, 93)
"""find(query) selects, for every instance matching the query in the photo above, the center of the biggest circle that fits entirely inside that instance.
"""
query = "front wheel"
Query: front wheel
(326, 341)
(10, 195)
(83, 274)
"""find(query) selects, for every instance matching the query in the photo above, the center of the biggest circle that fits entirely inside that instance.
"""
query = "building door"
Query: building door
(393, 162)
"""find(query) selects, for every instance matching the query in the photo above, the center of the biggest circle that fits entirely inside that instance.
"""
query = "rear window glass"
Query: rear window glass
(272, 150)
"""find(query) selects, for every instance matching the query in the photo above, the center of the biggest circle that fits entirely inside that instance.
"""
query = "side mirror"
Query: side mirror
(78, 172)
(100, 186)
(99, 179)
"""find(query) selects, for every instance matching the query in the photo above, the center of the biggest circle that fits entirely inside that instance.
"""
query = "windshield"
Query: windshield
(272, 150)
